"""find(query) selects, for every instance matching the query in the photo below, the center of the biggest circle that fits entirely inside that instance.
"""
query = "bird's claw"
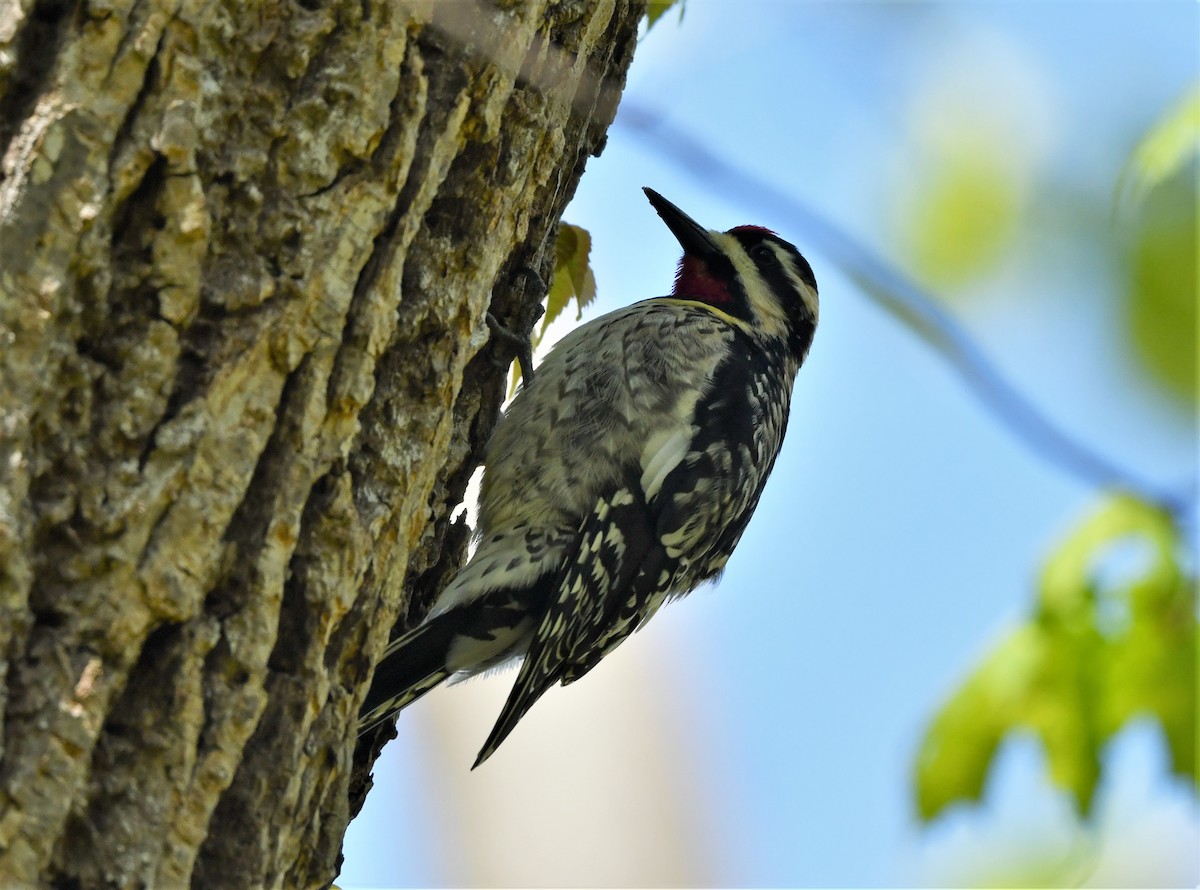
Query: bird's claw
(521, 341)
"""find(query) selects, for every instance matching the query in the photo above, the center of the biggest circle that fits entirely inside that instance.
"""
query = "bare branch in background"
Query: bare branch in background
(916, 309)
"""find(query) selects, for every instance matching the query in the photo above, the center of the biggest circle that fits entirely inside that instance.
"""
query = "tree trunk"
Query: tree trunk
(246, 250)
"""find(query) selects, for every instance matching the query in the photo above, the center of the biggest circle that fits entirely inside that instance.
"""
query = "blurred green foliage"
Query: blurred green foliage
(1101, 648)
(1163, 151)
(1158, 186)
(656, 8)
(962, 213)
(1163, 291)
(1029, 861)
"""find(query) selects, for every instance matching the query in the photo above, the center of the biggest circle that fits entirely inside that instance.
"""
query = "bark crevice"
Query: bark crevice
(244, 265)
(35, 51)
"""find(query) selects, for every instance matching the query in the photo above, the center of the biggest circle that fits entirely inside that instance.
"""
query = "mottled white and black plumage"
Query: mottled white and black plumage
(623, 475)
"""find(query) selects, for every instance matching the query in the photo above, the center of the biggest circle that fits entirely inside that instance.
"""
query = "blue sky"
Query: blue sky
(903, 527)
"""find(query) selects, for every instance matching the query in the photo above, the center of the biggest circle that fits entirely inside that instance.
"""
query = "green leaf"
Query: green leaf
(1072, 676)
(656, 8)
(958, 747)
(1163, 291)
(1035, 680)
(1164, 150)
(573, 280)
(1151, 667)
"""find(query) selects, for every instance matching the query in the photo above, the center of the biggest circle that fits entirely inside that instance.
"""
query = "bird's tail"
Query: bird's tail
(412, 665)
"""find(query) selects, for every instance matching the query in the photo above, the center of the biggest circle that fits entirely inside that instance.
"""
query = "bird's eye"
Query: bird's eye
(763, 254)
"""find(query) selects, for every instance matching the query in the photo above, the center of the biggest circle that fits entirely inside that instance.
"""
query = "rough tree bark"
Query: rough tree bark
(246, 250)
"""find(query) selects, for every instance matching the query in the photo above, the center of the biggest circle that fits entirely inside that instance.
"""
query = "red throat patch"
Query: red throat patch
(694, 281)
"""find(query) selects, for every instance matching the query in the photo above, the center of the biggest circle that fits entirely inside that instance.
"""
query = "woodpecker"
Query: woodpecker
(622, 475)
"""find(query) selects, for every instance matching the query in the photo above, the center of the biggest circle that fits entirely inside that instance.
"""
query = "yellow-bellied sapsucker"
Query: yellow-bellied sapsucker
(622, 475)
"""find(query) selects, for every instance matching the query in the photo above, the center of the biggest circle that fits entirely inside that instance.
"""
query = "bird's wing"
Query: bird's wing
(613, 546)
(701, 492)
(668, 525)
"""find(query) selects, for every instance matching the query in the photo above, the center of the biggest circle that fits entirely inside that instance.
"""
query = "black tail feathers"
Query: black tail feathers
(411, 665)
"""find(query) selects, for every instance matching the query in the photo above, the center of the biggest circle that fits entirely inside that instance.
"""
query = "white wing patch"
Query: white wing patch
(662, 454)
(669, 444)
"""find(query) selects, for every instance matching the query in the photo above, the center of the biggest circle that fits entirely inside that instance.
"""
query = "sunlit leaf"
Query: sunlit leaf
(656, 8)
(1071, 676)
(1151, 667)
(573, 278)
(1164, 150)
(1038, 680)
(958, 748)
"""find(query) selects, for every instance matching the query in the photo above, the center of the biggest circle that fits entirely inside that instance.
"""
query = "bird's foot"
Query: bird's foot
(520, 339)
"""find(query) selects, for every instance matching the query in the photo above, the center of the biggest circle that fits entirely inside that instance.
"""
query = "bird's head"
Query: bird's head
(748, 273)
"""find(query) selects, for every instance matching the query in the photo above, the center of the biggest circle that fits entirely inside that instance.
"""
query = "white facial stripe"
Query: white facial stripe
(769, 315)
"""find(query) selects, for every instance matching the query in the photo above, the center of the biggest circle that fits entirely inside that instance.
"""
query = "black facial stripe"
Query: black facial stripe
(782, 285)
(801, 325)
(739, 305)
(801, 336)
(753, 238)
(804, 269)
(775, 274)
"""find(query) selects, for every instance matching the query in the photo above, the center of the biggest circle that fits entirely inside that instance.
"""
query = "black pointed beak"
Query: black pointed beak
(692, 236)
